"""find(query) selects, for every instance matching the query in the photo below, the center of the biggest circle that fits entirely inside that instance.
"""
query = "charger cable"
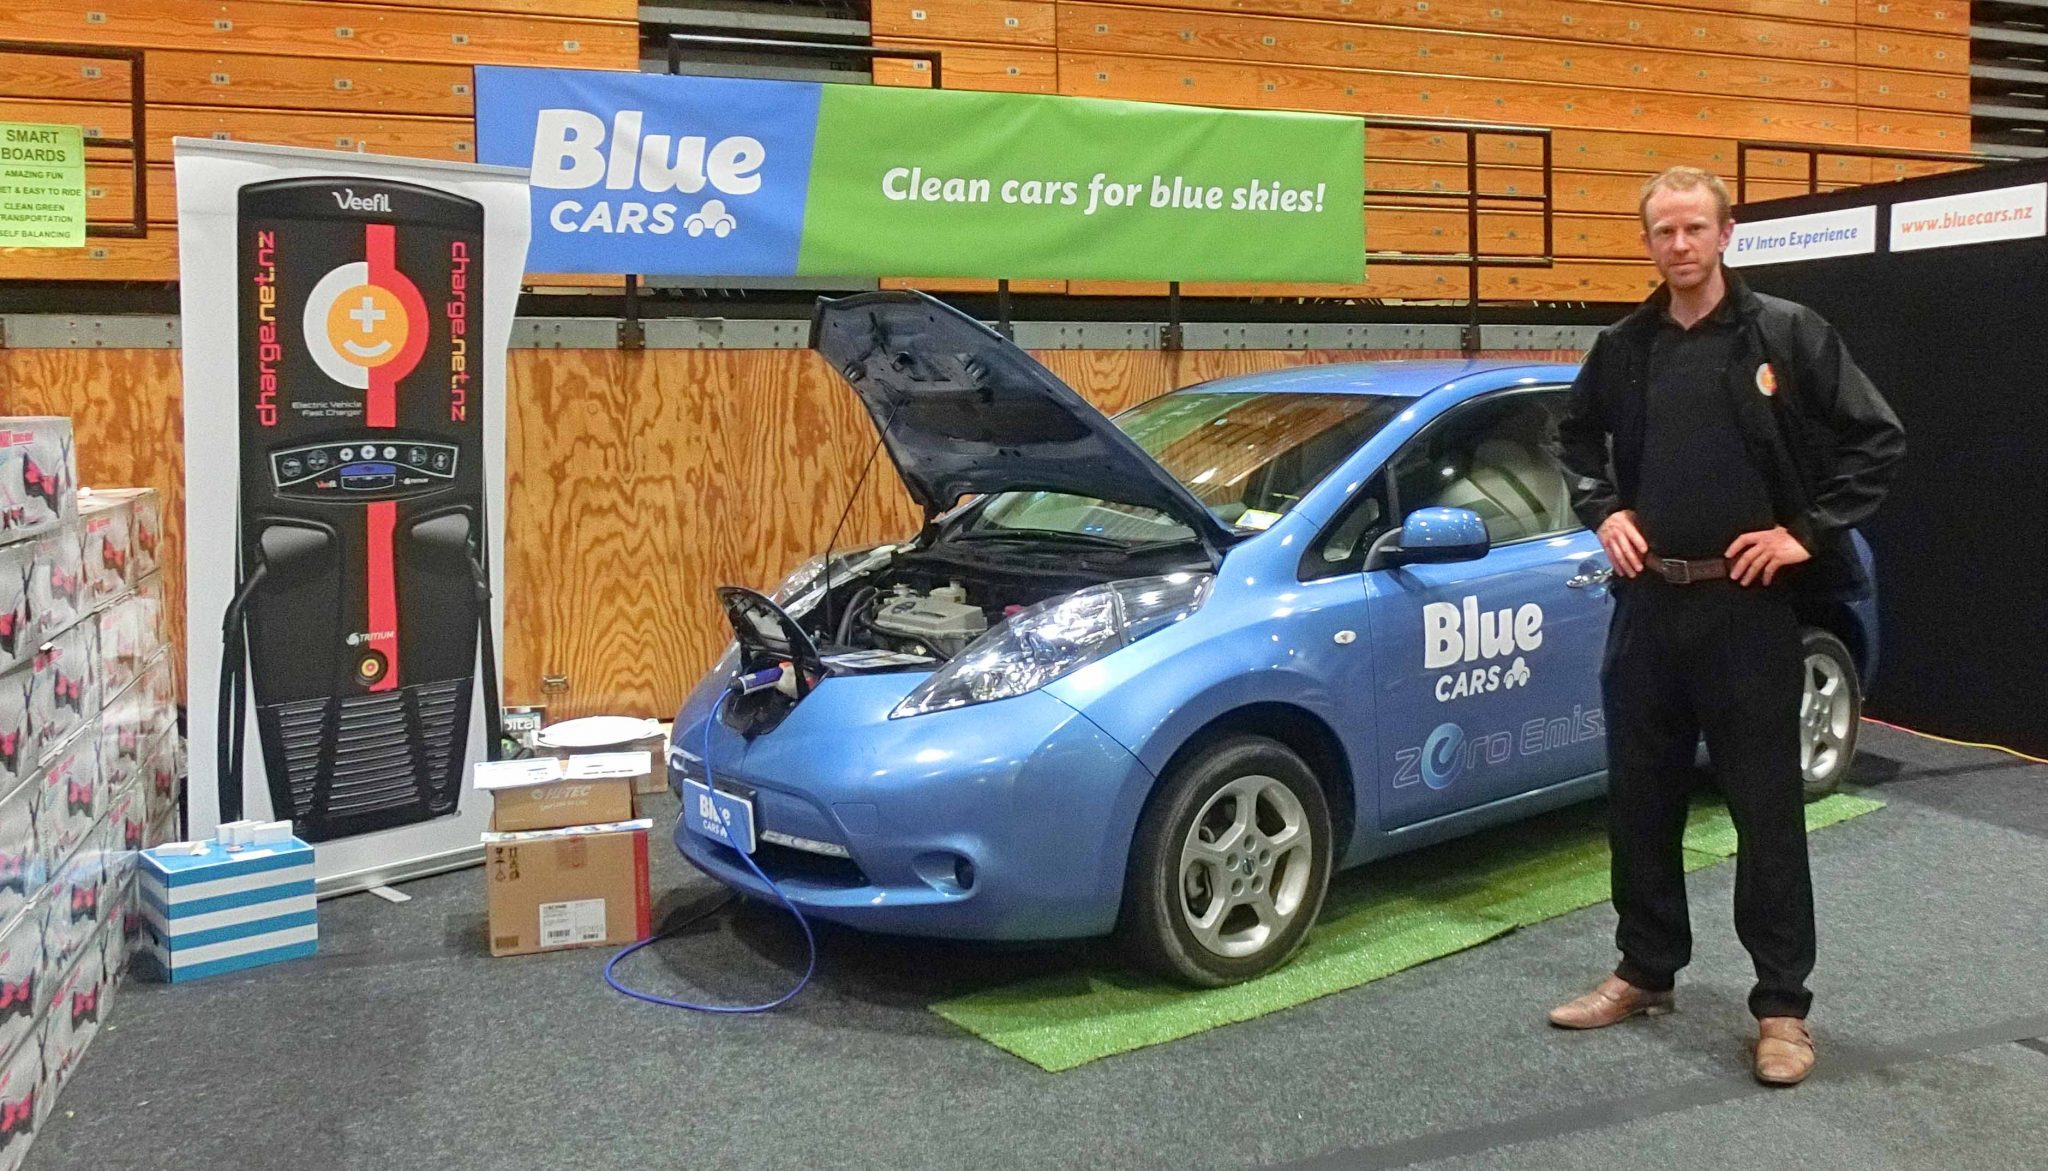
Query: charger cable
(810, 941)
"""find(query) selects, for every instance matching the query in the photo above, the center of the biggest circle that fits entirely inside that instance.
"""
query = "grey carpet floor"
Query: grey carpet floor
(402, 1045)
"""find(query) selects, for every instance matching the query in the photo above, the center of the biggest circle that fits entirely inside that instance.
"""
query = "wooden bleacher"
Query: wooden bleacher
(389, 78)
(1630, 88)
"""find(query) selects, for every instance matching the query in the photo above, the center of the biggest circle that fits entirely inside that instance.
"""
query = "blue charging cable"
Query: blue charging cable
(810, 941)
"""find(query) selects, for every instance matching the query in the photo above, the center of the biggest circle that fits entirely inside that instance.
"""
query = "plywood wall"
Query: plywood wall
(636, 484)
(640, 482)
(128, 423)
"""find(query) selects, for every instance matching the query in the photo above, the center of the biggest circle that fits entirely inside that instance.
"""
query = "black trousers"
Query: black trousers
(1723, 661)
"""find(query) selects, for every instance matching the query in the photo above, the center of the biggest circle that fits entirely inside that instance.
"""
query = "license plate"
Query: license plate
(723, 817)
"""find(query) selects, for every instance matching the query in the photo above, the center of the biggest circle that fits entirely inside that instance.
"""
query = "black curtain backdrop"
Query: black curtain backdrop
(1957, 339)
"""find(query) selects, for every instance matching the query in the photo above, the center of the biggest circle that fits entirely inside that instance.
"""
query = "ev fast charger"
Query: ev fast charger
(362, 504)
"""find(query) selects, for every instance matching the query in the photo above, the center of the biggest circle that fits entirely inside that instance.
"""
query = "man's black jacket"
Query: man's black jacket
(1825, 439)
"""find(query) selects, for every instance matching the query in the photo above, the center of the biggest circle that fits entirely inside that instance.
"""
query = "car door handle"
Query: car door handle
(1591, 577)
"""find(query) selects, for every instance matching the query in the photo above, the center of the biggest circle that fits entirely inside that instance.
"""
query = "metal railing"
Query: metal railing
(1814, 153)
(1473, 257)
(632, 333)
(719, 43)
(136, 144)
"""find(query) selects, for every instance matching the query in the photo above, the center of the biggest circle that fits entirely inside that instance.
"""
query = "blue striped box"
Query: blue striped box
(223, 911)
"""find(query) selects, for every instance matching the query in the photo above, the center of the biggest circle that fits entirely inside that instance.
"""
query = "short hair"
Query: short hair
(1685, 179)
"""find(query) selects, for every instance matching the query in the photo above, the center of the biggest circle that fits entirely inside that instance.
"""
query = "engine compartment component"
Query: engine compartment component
(912, 605)
(942, 619)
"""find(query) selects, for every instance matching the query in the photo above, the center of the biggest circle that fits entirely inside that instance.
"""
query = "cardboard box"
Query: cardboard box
(584, 886)
(190, 936)
(161, 782)
(126, 939)
(38, 475)
(149, 613)
(547, 793)
(22, 1103)
(128, 812)
(18, 754)
(72, 798)
(160, 696)
(65, 689)
(127, 643)
(655, 779)
(655, 744)
(73, 1017)
(21, 978)
(19, 633)
(125, 746)
(57, 586)
(145, 526)
(163, 830)
(24, 864)
(108, 522)
(78, 901)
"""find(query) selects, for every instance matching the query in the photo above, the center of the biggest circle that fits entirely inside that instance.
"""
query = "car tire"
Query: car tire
(1830, 712)
(1229, 865)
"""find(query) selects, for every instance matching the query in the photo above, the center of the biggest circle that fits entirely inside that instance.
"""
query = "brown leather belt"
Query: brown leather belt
(1686, 572)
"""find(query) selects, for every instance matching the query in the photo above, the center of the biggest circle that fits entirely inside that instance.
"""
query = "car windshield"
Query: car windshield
(1248, 456)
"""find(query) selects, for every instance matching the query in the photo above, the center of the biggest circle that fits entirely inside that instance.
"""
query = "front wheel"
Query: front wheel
(1229, 867)
(1830, 712)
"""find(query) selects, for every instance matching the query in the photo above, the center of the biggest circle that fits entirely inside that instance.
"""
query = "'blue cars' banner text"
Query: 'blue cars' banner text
(628, 168)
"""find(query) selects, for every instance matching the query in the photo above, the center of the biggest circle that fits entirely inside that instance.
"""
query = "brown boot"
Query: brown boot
(1784, 1051)
(1614, 1001)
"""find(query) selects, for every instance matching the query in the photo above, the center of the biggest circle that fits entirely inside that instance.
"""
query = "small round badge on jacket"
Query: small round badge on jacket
(1766, 379)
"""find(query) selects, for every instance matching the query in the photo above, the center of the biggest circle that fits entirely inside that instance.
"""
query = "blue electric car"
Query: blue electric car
(1160, 676)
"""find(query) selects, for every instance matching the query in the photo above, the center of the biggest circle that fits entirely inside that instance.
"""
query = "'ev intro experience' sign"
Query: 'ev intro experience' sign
(706, 176)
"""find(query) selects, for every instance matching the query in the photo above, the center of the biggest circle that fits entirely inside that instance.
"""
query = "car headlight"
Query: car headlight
(1039, 644)
(805, 585)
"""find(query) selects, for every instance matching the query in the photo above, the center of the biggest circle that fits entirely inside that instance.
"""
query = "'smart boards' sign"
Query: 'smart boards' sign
(42, 186)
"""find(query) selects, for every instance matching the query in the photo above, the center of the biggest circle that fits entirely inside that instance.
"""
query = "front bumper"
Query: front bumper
(1039, 802)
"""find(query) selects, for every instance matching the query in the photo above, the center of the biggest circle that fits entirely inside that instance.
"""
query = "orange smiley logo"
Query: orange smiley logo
(354, 326)
(368, 325)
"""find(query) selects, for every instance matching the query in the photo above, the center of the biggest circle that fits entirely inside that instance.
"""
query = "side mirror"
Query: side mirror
(1432, 535)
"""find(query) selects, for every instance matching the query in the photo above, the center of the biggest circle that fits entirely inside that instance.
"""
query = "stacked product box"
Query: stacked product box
(563, 867)
(38, 476)
(89, 757)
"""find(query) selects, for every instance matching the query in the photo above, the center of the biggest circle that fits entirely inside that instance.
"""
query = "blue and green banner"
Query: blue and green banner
(663, 175)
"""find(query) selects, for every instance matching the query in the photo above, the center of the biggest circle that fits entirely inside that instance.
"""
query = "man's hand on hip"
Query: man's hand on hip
(1624, 542)
(1762, 554)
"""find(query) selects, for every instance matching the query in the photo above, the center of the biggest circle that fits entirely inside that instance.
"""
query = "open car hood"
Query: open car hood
(962, 410)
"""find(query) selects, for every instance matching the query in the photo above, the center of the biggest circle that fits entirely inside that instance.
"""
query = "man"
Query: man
(1722, 444)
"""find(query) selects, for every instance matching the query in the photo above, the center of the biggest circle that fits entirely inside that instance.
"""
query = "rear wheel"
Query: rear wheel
(1229, 867)
(1830, 712)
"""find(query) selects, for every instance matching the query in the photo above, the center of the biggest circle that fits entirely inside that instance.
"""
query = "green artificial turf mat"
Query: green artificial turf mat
(1377, 921)
(1710, 831)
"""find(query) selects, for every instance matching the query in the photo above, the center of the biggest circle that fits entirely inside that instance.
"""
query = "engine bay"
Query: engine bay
(931, 603)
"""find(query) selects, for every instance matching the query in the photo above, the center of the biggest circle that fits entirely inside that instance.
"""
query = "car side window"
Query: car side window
(1343, 545)
(1491, 457)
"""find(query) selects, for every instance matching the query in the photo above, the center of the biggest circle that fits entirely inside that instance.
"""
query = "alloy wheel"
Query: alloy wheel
(1827, 717)
(1245, 866)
